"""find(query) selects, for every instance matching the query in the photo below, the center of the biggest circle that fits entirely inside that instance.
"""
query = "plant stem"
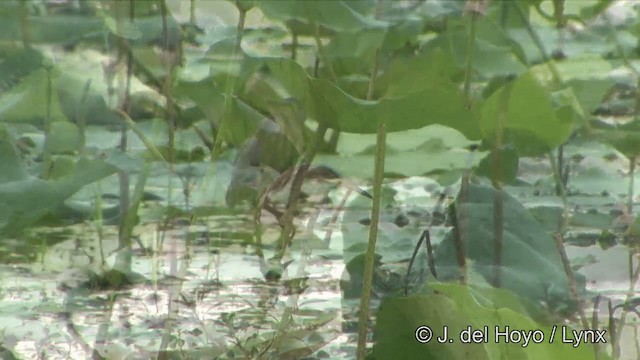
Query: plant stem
(294, 45)
(563, 192)
(322, 54)
(632, 168)
(230, 84)
(365, 297)
(633, 275)
(573, 288)
(47, 162)
(538, 43)
(625, 310)
(128, 122)
(192, 12)
(557, 79)
(25, 28)
(558, 12)
(170, 56)
(504, 14)
(81, 119)
(560, 166)
(459, 230)
(124, 234)
(292, 303)
(374, 75)
(498, 200)
(296, 189)
(470, 57)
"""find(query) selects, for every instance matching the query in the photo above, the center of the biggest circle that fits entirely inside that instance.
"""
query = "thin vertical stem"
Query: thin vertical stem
(124, 235)
(230, 83)
(633, 275)
(192, 12)
(296, 189)
(81, 118)
(558, 10)
(470, 58)
(504, 14)
(459, 229)
(563, 192)
(625, 309)
(46, 156)
(166, 88)
(374, 75)
(365, 297)
(498, 200)
(170, 55)
(322, 54)
(613, 335)
(632, 168)
(560, 166)
(294, 45)
(538, 43)
(573, 288)
(25, 28)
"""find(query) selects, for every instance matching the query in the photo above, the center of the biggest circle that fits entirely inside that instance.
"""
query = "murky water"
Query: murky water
(219, 298)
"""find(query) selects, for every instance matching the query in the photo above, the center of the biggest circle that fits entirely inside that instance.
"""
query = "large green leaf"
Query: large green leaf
(625, 138)
(529, 111)
(11, 167)
(433, 103)
(69, 29)
(432, 149)
(493, 52)
(489, 59)
(63, 138)
(211, 101)
(31, 100)
(17, 62)
(590, 92)
(500, 165)
(78, 89)
(48, 29)
(352, 53)
(409, 74)
(26, 199)
(531, 266)
(461, 310)
(414, 163)
(362, 44)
